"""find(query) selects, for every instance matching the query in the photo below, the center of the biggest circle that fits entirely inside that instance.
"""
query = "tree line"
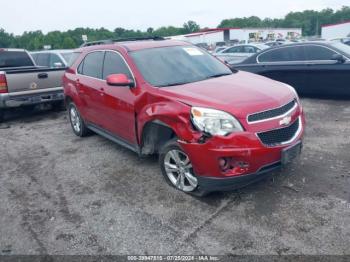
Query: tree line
(309, 20)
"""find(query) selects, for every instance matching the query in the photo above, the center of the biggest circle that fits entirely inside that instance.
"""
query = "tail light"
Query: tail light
(3, 83)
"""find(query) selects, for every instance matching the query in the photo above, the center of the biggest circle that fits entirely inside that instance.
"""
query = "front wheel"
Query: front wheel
(177, 169)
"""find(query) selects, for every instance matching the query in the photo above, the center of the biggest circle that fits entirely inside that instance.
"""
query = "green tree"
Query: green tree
(191, 27)
(68, 43)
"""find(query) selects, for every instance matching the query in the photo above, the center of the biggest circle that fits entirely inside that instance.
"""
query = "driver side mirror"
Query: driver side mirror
(119, 80)
(339, 58)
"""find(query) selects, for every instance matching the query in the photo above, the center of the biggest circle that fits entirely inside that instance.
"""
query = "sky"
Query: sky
(18, 16)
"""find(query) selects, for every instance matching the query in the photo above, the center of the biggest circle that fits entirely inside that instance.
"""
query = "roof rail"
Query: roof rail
(111, 41)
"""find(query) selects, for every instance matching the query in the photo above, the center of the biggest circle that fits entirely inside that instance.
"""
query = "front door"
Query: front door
(118, 101)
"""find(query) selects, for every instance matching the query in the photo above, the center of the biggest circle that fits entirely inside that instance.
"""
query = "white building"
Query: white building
(334, 31)
(242, 35)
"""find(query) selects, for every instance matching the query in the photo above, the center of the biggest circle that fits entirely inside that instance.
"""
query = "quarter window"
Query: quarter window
(115, 64)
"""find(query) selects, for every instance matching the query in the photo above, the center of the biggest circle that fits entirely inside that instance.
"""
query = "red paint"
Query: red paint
(340, 23)
(125, 111)
(118, 80)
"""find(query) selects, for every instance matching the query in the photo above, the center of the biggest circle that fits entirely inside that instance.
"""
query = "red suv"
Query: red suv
(213, 129)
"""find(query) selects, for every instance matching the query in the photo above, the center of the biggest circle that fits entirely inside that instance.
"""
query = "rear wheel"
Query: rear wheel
(177, 169)
(76, 121)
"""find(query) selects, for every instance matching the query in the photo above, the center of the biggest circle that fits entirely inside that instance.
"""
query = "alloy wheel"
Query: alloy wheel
(178, 168)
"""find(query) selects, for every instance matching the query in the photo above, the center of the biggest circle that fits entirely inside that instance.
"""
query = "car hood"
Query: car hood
(240, 94)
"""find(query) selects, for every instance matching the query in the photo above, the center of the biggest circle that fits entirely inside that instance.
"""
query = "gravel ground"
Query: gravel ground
(64, 195)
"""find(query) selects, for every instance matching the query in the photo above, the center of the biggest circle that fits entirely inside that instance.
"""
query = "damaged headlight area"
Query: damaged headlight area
(214, 122)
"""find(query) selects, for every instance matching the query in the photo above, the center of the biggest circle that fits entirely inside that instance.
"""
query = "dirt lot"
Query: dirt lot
(64, 195)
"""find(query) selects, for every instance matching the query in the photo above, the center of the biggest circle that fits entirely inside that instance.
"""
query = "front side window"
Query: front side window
(115, 64)
(319, 53)
(167, 66)
(92, 65)
(285, 54)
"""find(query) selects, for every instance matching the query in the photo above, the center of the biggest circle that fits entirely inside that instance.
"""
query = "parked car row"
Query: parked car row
(312, 68)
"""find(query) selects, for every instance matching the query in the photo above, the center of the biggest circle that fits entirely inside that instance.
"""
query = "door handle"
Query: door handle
(43, 75)
(102, 91)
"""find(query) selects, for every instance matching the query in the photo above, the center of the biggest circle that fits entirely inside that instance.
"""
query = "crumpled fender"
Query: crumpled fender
(171, 113)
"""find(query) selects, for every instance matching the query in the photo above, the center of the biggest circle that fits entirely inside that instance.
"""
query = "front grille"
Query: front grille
(271, 113)
(279, 136)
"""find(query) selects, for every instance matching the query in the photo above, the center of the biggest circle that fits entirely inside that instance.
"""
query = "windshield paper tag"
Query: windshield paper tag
(193, 51)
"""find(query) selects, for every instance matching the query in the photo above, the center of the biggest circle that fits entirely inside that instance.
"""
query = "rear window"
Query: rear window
(14, 59)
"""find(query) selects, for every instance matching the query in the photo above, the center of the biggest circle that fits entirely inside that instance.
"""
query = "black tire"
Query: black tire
(83, 130)
(166, 148)
(2, 115)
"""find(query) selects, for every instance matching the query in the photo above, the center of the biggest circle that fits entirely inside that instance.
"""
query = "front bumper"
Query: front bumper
(211, 184)
(32, 97)
(250, 160)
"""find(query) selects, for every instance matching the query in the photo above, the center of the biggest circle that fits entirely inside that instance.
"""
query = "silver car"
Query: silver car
(52, 58)
(238, 53)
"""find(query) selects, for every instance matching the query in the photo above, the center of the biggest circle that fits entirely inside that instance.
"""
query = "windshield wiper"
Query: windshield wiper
(174, 84)
(219, 75)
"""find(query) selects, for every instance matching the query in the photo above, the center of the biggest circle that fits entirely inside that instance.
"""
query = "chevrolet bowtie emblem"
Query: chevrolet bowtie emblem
(286, 121)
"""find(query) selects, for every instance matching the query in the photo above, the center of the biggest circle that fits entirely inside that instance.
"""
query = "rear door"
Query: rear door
(325, 76)
(89, 82)
(284, 64)
(118, 101)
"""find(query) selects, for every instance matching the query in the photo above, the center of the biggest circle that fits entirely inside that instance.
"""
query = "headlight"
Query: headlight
(214, 122)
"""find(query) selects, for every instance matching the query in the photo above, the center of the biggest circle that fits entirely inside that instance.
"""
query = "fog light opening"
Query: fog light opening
(224, 164)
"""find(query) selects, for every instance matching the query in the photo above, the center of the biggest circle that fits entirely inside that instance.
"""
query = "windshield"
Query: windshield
(167, 66)
(67, 56)
(342, 47)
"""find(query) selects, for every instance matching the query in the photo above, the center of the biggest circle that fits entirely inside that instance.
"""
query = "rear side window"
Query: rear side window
(285, 54)
(14, 59)
(115, 64)
(92, 65)
(319, 53)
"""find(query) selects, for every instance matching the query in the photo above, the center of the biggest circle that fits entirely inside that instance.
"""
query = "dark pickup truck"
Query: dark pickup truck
(22, 83)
